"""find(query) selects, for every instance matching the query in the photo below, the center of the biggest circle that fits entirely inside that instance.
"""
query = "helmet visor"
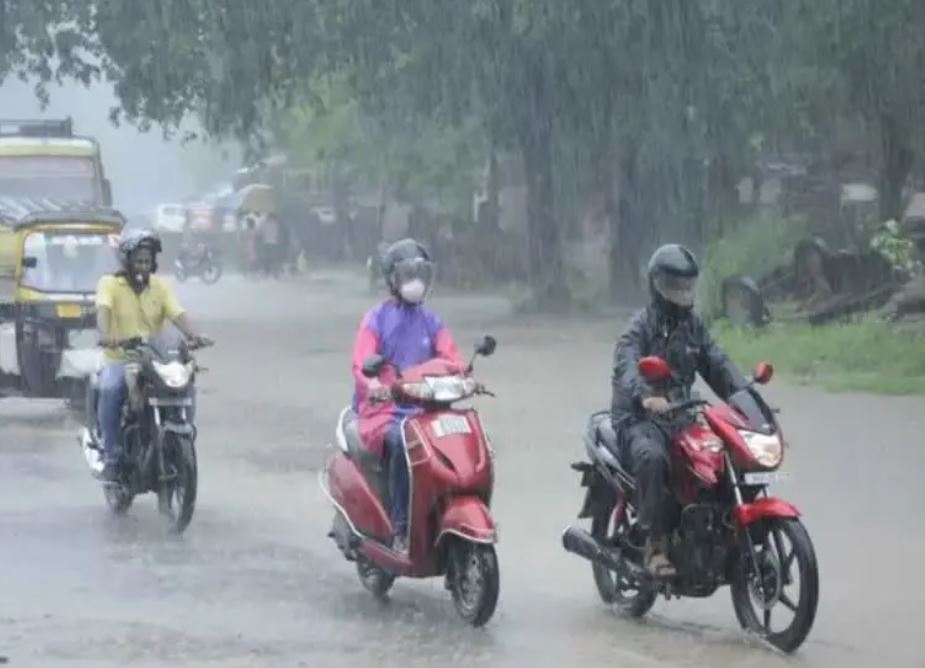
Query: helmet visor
(676, 289)
(405, 271)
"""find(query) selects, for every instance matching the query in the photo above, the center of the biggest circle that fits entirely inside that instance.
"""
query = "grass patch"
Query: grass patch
(756, 247)
(868, 355)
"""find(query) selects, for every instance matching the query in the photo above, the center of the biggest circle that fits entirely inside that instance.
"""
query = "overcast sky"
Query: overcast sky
(143, 167)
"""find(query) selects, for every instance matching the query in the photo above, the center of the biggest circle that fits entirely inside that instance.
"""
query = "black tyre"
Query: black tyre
(118, 498)
(177, 496)
(631, 598)
(783, 552)
(212, 273)
(375, 580)
(475, 581)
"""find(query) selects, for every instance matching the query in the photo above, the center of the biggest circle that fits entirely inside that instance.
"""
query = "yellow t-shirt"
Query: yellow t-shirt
(136, 315)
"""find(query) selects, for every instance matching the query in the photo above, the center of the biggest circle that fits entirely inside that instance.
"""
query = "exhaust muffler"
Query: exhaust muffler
(580, 542)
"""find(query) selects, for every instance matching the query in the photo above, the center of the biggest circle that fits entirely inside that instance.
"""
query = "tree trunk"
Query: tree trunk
(626, 237)
(898, 159)
(547, 272)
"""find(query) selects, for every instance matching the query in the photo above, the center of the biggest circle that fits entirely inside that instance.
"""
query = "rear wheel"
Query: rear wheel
(375, 580)
(177, 494)
(611, 527)
(211, 273)
(118, 498)
(785, 560)
(474, 580)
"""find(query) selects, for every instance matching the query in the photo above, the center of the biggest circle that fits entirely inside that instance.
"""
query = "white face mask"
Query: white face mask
(413, 291)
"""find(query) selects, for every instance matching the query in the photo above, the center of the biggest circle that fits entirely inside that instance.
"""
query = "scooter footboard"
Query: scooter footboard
(467, 517)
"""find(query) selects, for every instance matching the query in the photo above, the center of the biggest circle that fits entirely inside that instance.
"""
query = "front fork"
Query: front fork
(749, 542)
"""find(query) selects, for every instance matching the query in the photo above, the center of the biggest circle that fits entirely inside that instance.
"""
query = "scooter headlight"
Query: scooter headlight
(767, 449)
(174, 374)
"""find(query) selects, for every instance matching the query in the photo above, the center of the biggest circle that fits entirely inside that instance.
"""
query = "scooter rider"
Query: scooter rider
(670, 329)
(407, 334)
(132, 303)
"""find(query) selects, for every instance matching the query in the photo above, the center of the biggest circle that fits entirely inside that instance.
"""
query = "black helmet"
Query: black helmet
(673, 273)
(405, 261)
(132, 240)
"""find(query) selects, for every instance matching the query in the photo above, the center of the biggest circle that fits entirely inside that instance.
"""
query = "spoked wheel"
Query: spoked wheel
(176, 498)
(375, 580)
(612, 527)
(779, 600)
(474, 581)
(118, 498)
(212, 273)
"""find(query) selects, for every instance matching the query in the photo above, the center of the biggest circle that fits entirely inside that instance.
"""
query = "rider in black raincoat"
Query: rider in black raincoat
(667, 328)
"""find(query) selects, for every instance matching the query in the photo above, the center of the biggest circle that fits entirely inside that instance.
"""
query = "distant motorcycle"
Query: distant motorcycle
(728, 529)
(202, 261)
(158, 438)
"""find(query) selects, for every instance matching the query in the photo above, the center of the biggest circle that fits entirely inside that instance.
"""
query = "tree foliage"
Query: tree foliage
(661, 105)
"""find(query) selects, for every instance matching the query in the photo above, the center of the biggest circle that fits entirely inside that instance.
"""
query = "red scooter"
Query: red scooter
(728, 530)
(451, 531)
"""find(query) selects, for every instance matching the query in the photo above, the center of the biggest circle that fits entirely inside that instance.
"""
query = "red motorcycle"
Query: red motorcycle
(451, 531)
(728, 530)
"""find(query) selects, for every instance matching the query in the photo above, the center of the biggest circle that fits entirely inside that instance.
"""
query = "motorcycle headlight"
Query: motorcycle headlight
(767, 449)
(174, 374)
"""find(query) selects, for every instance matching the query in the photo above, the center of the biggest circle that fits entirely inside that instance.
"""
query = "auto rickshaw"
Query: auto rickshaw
(50, 262)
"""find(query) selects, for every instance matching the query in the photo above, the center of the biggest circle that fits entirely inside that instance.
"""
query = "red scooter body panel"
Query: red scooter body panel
(467, 516)
(461, 462)
(354, 494)
(764, 508)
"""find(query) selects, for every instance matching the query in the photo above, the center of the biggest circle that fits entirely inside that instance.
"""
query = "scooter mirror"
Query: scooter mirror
(486, 346)
(372, 365)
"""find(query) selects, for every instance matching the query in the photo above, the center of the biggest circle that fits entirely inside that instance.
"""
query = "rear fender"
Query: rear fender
(598, 493)
(469, 518)
(764, 508)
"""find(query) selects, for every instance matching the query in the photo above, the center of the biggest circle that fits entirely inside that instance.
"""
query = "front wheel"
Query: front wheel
(179, 272)
(177, 494)
(474, 581)
(785, 559)
(614, 527)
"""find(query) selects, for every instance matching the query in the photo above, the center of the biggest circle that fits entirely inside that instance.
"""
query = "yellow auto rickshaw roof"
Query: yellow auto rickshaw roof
(19, 213)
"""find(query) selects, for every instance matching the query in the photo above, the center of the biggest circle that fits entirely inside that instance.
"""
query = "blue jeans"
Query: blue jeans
(113, 392)
(399, 482)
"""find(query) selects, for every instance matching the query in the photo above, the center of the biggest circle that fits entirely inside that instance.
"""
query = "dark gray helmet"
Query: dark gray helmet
(404, 261)
(673, 272)
(132, 240)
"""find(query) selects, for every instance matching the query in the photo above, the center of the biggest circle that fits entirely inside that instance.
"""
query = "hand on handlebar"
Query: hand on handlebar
(657, 405)
(377, 392)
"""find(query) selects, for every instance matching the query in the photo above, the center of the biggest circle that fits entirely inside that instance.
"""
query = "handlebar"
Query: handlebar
(136, 343)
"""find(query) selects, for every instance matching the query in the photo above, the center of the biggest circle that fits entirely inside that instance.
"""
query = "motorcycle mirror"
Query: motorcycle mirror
(486, 347)
(372, 365)
(763, 373)
(654, 368)
(30, 262)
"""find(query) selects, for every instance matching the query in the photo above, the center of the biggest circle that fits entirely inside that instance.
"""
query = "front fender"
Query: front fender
(469, 518)
(764, 508)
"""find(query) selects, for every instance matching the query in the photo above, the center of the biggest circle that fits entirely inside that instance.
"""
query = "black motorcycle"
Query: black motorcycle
(158, 437)
(202, 261)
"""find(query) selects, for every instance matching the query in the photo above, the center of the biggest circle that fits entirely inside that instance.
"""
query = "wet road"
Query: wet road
(254, 581)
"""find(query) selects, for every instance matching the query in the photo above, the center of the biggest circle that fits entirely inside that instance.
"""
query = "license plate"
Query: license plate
(760, 478)
(450, 425)
(69, 310)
